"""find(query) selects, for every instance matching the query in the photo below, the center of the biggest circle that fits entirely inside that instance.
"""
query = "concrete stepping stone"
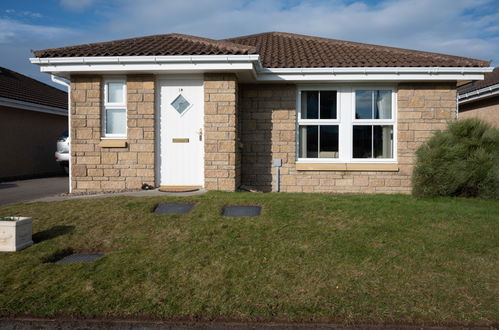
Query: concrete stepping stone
(174, 208)
(242, 211)
(79, 257)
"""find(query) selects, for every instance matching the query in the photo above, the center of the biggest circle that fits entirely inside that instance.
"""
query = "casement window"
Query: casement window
(346, 125)
(114, 123)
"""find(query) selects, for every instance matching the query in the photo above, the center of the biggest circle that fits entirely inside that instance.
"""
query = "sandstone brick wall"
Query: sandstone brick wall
(486, 110)
(268, 130)
(222, 158)
(98, 168)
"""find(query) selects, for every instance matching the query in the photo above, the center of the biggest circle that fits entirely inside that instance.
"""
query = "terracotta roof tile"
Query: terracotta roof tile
(276, 50)
(157, 45)
(16, 86)
(287, 50)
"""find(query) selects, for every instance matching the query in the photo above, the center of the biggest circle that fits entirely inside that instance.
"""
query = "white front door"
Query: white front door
(181, 137)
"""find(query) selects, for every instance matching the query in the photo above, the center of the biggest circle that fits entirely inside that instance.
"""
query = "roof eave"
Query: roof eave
(205, 63)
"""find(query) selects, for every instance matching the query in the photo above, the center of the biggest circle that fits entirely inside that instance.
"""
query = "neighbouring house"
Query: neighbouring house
(480, 99)
(32, 116)
(272, 111)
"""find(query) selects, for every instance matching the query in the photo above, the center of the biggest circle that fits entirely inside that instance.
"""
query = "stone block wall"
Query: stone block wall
(268, 130)
(97, 168)
(485, 109)
(222, 157)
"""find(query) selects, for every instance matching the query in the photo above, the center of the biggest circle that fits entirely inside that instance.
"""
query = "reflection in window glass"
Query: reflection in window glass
(115, 92)
(328, 105)
(363, 104)
(372, 140)
(362, 141)
(309, 141)
(383, 141)
(328, 142)
(310, 105)
(382, 104)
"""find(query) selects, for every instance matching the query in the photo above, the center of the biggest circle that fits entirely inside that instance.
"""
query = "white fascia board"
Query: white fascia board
(11, 103)
(372, 74)
(145, 67)
(478, 91)
(205, 63)
(146, 59)
(483, 93)
(199, 63)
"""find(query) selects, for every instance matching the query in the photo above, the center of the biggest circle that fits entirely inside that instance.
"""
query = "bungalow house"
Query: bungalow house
(272, 111)
(480, 99)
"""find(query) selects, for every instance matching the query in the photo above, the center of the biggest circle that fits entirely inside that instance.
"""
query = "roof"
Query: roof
(490, 79)
(16, 86)
(287, 50)
(157, 45)
(276, 50)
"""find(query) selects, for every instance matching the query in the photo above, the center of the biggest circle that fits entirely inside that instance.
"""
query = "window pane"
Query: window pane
(383, 141)
(363, 104)
(116, 121)
(308, 141)
(328, 105)
(309, 105)
(382, 105)
(362, 141)
(329, 142)
(115, 92)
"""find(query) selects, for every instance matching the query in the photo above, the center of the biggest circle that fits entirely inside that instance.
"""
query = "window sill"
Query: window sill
(381, 167)
(113, 143)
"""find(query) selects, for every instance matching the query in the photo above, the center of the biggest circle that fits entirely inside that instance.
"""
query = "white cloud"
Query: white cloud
(12, 31)
(77, 5)
(24, 13)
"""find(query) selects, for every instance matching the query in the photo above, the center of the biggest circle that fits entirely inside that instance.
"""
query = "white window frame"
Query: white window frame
(114, 105)
(346, 120)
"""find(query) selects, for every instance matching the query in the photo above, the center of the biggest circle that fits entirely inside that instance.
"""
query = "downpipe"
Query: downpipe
(277, 178)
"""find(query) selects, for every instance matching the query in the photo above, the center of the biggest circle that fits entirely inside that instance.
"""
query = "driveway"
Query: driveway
(26, 190)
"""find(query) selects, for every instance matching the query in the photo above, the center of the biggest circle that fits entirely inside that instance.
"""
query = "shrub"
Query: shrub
(463, 161)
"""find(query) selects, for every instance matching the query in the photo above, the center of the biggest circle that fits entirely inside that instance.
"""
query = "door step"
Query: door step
(179, 188)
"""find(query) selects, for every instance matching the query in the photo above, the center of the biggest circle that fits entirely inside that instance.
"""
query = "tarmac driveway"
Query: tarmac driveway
(26, 190)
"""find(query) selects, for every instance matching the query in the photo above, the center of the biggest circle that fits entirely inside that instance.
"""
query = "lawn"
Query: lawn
(308, 257)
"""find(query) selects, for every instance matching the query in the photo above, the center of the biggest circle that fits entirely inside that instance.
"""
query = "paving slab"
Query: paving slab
(174, 208)
(242, 211)
(79, 257)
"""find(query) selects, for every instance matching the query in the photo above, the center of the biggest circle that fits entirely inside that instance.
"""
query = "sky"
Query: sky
(459, 27)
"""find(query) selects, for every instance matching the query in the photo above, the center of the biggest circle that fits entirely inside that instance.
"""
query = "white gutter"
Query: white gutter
(205, 63)
(146, 59)
(68, 86)
(366, 70)
(8, 102)
(374, 73)
(479, 94)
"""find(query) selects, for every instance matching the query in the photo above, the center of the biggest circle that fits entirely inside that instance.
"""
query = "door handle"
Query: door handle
(200, 134)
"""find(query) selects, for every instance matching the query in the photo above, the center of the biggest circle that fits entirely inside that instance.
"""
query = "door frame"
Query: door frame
(157, 114)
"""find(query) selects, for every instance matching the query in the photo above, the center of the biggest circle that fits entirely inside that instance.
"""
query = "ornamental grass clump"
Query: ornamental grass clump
(462, 160)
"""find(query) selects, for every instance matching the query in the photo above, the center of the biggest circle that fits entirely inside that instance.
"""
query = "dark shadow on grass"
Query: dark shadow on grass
(52, 233)
(57, 255)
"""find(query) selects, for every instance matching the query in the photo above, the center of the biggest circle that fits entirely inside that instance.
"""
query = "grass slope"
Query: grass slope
(374, 258)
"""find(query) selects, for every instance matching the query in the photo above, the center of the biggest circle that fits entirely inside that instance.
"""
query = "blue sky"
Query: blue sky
(459, 27)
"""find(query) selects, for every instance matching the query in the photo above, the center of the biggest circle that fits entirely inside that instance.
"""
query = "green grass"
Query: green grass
(309, 257)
